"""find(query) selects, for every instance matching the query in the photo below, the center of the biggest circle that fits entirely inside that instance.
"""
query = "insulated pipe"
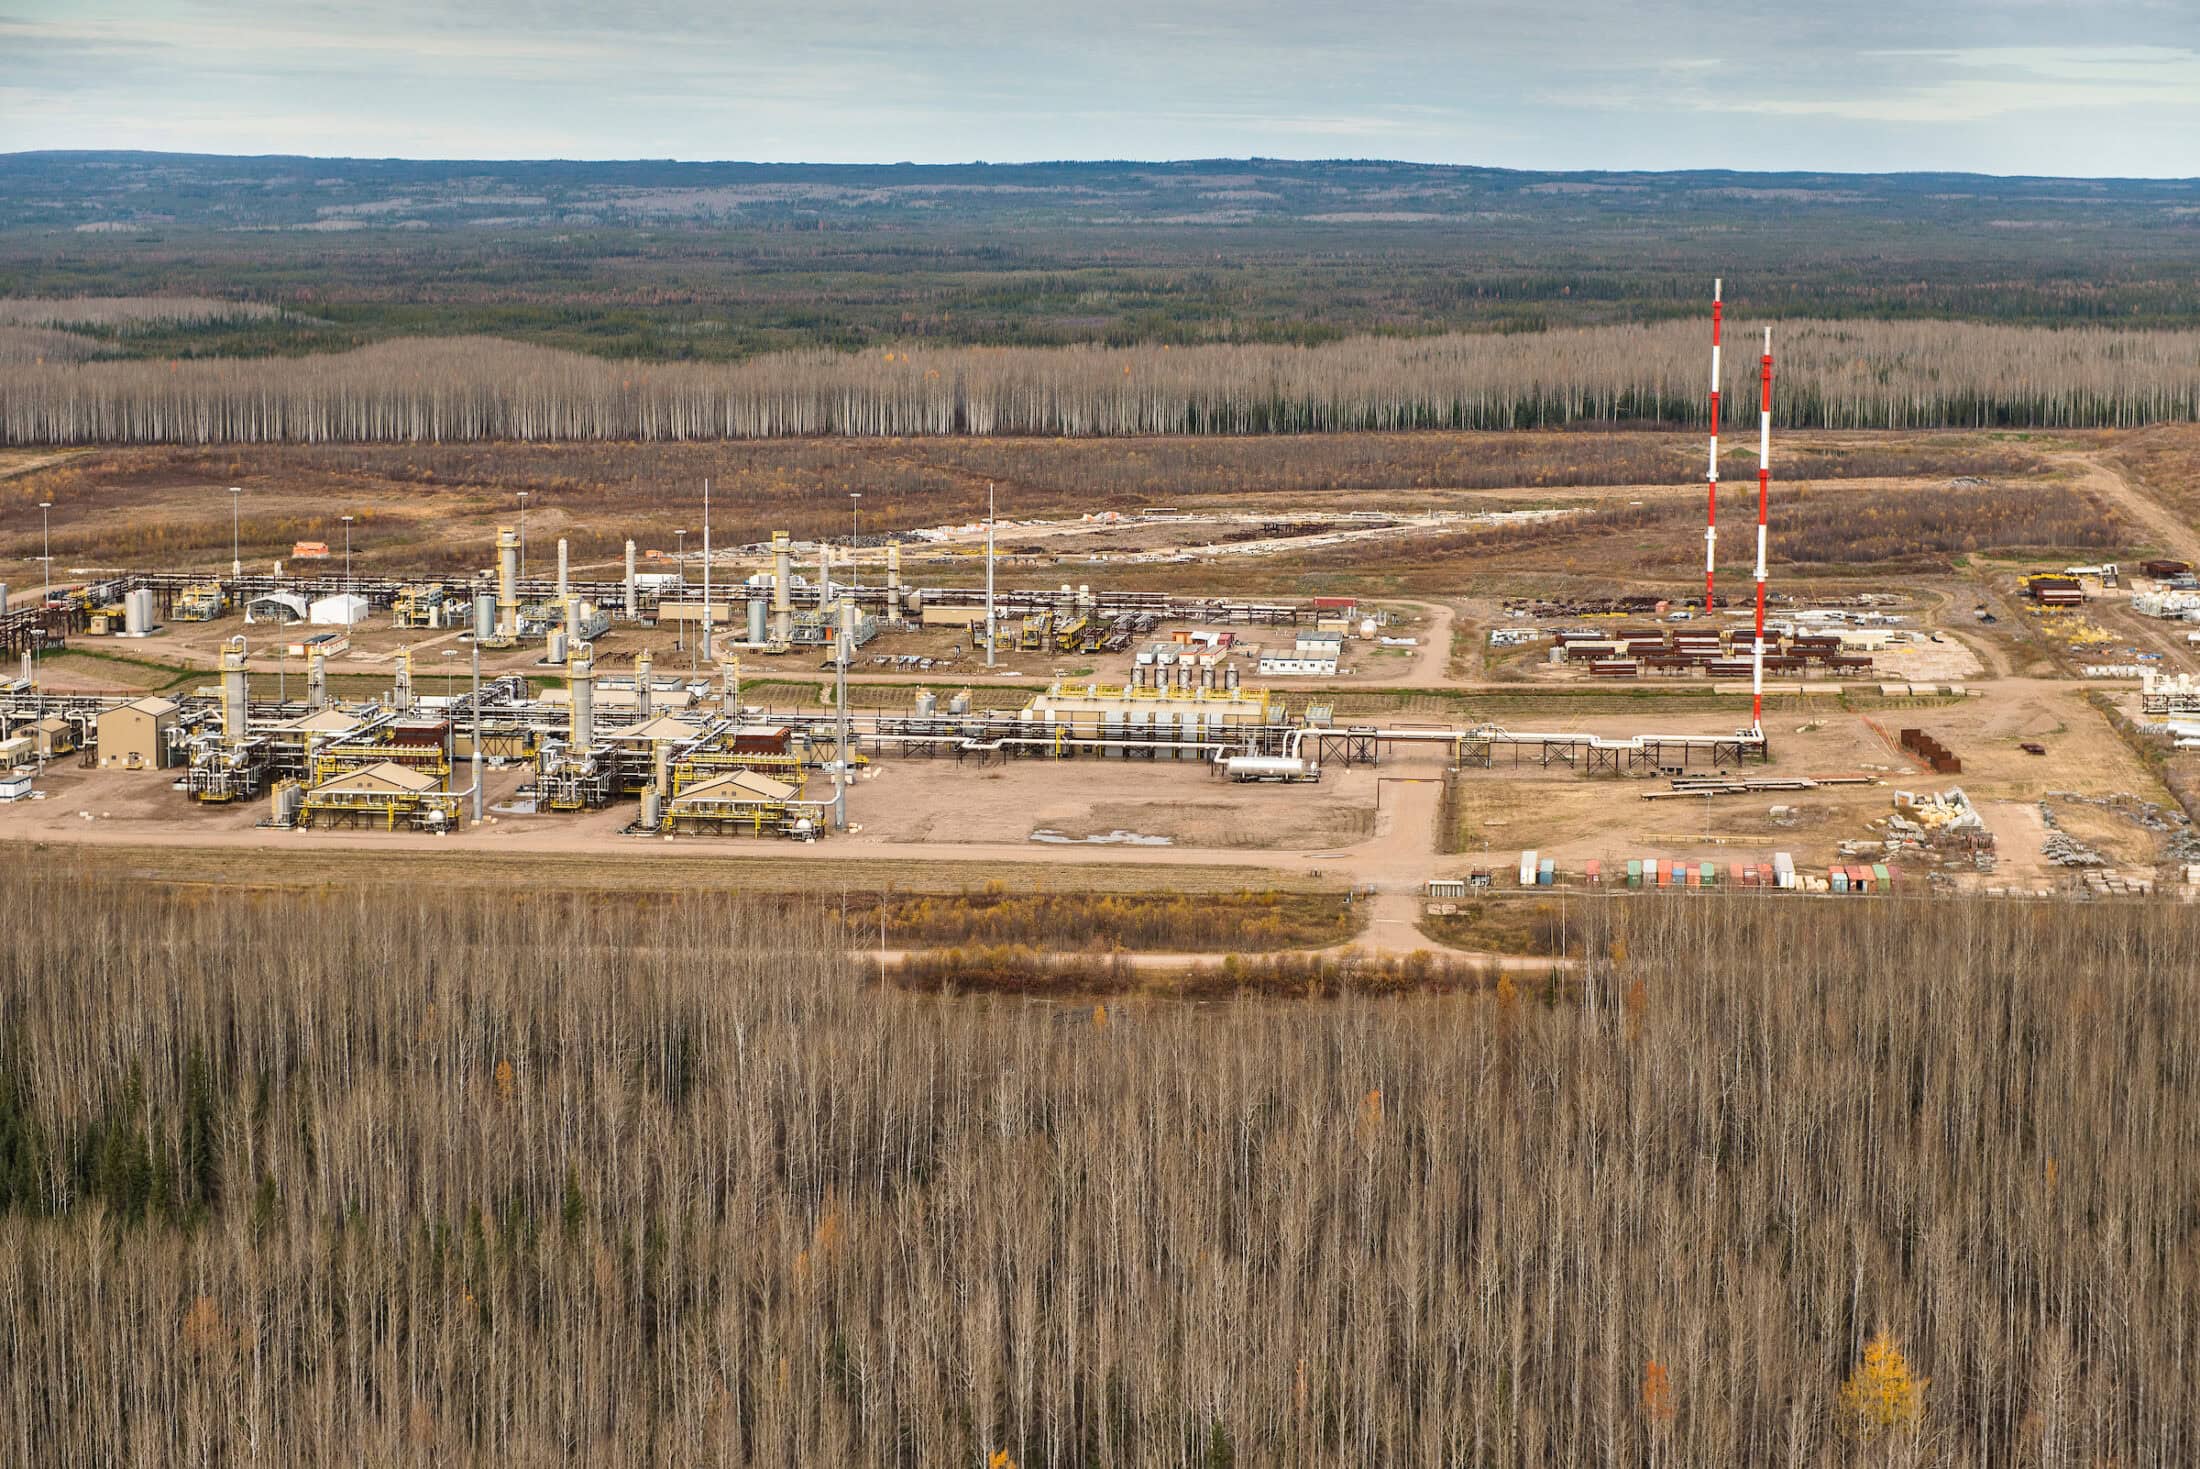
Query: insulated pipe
(235, 705)
(1764, 498)
(580, 670)
(507, 582)
(1711, 509)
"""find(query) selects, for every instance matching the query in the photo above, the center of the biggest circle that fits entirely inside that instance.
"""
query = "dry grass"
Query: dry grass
(1166, 922)
(450, 1177)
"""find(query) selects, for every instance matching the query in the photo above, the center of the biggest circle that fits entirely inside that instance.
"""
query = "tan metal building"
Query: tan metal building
(135, 736)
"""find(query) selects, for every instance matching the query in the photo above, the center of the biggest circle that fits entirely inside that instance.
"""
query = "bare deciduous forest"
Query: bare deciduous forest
(1858, 374)
(345, 1180)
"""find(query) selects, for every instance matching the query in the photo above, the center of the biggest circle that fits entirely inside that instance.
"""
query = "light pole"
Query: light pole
(523, 535)
(347, 559)
(236, 557)
(45, 536)
(853, 497)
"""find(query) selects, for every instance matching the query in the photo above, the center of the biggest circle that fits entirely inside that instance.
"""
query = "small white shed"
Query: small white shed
(343, 609)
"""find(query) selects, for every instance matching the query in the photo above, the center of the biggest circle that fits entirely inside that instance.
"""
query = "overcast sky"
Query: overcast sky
(2000, 86)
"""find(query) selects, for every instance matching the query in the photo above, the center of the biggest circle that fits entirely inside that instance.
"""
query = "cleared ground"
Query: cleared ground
(1442, 581)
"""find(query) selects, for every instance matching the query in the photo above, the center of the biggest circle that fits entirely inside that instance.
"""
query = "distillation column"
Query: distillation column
(316, 679)
(782, 588)
(641, 685)
(581, 674)
(401, 691)
(235, 705)
(507, 582)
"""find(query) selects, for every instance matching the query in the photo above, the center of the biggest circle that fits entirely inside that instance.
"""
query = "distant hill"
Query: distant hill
(99, 191)
(728, 261)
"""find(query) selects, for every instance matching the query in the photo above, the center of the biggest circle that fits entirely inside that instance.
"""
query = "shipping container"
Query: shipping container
(1710, 874)
(1691, 875)
(1882, 876)
(1546, 872)
(1593, 870)
(1634, 872)
(1527, 868)
(1839, 878)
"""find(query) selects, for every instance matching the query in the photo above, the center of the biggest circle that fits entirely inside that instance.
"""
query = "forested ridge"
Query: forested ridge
(1905, 375)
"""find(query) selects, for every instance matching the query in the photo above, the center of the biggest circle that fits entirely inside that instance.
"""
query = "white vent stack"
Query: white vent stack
(507, 582)
(893, 584)
(316, 679)
(566, 599)
(782, 588)
(235, 692)
(580, 671)
(1764, 499)
(633, 607)
(824, 574)
(708, 652)
(642, 669)
(1711, 480)
(989, 518)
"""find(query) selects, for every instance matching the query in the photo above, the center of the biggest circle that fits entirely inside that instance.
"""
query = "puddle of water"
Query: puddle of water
(1100, 839)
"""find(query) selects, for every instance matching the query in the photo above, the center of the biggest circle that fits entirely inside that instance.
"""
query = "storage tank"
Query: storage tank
(554, 645)
(283, 802)
(928, 704)
(759, 612)
(652, 809)
(485, 617)
(1268, 767)
(1367, 627)
(137, 612)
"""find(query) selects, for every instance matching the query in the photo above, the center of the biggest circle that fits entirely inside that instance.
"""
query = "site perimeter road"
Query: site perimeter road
(1391, 867)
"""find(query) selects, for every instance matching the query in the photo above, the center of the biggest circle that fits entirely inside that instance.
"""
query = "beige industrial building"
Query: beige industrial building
(135, 736)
